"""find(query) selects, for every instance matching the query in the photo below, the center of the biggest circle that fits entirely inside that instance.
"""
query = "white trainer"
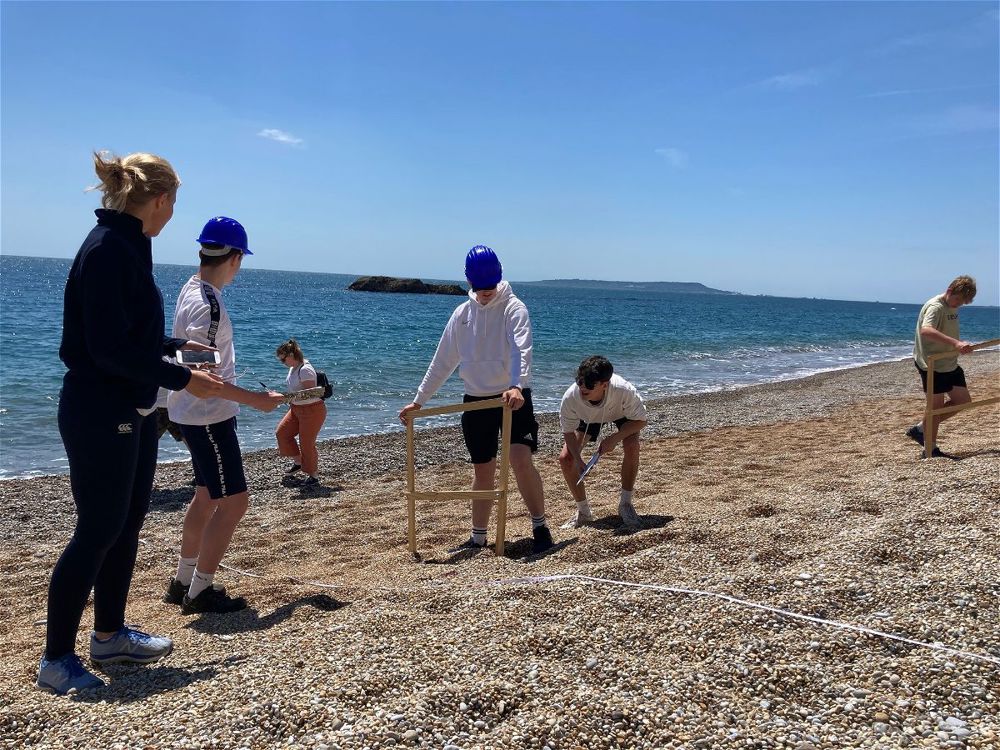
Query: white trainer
(579, 519)
(628, 515)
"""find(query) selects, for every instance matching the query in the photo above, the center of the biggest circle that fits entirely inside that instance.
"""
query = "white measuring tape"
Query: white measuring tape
(756, 605)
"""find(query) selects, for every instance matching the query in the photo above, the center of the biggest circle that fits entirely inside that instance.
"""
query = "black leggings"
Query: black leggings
(112, 458)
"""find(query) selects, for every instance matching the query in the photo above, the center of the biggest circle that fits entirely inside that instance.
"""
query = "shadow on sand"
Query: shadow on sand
(249, 619)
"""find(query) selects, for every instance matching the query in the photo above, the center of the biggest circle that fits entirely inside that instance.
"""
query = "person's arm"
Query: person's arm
(261, 401)
(929, 332)
(519, 327)
(307, 377)
(632, 427)
(443, 364)
(103, 277)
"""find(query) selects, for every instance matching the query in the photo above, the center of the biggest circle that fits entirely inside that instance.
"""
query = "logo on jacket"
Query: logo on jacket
(125, 428)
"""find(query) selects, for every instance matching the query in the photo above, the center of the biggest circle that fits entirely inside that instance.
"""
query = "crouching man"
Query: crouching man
(597, 397)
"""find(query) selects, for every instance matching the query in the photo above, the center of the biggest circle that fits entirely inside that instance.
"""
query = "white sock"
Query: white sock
(537, 522)
(627, 497)
(478, 535)
(185, 569)
(199, 582)
(583, 506)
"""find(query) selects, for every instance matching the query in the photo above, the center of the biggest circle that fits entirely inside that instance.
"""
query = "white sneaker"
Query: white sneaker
(579, 519)
(628, 515)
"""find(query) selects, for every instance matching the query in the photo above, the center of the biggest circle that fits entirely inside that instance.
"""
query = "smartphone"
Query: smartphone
(197, 358)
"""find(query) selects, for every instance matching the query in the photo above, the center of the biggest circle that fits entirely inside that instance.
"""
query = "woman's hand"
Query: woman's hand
(413, 406)
(204, 384)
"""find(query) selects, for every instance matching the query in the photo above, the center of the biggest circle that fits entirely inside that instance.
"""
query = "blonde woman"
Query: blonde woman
(113, 347)
(304, 418)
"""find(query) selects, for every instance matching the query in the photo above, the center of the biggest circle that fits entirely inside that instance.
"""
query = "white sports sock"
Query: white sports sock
(185, 569)
(538, 522)
(583, 506)
(199, 582)
(627, 497)
(478, 535)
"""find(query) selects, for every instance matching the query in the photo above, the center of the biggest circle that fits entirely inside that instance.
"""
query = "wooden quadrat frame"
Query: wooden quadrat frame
(930, 429)
(498, 495)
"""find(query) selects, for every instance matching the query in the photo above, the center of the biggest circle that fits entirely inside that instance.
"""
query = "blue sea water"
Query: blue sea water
(376, 347)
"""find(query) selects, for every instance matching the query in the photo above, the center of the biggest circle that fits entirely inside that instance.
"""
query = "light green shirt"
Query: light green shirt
(936, 314)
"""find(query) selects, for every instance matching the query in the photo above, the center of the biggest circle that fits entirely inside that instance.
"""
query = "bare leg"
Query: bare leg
(956, 396)
(219, 530)
(199, 513)
(571, 471)
(484, 479)
(529, 481)
(630, 462)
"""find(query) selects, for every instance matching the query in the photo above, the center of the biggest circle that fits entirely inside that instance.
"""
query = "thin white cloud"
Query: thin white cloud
(968, 118)
(969, 33)
(936, 90)
(793, 81)
(280, 136)
(675, 157)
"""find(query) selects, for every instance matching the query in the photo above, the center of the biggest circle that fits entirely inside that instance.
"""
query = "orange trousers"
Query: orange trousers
(304, 421)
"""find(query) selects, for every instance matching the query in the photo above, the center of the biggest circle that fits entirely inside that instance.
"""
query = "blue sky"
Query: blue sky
(843, 150)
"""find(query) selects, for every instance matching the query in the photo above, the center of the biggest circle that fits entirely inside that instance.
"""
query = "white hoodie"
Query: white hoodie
(490, 344)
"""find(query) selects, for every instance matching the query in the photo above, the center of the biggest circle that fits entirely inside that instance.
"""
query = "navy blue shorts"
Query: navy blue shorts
(594, 428)
(481, 429)
(216, 457)
(944, 381)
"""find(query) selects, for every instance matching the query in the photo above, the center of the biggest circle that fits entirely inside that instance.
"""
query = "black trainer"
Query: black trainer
(311, 482)
(176, 592)
(213, 600)
(543, 539)
(936, 453)
(469, 544)
(293, 468)
(916, 434)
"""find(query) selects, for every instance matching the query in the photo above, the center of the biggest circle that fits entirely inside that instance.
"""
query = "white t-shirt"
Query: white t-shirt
(621, 400)
(294, 381)
(199, 314)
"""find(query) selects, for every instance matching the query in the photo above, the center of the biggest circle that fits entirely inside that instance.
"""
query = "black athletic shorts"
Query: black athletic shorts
(594, 428)
(216, 457)
(944, 381)
(481, 429)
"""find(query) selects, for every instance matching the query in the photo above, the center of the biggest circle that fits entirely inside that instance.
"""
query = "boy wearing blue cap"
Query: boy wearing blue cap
(488, 338)
(209, 425)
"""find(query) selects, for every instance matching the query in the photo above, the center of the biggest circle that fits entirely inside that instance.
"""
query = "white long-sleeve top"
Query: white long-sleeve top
(489, 344)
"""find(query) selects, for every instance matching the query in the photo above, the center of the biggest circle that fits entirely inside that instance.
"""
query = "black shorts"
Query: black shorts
(481, 429)
(944, 381)
(216, 457)
(594, 428)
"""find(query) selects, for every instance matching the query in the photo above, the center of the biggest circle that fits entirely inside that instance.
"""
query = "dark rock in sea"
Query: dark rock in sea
(407, 286)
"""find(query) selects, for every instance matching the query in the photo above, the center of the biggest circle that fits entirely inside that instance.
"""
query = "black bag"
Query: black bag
(323, 380)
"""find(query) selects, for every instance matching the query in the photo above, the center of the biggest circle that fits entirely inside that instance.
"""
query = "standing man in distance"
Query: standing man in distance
(488, 338)
(937, 331)
(599, 396)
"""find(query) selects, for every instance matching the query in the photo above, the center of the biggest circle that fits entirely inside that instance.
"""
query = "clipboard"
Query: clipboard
(590, 465)
(314, 392)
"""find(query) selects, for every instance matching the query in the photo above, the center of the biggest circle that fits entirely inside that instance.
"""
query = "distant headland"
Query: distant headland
(678, 287)
(404, 286)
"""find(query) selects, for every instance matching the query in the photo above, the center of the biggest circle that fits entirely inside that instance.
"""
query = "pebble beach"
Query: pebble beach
(801, 580)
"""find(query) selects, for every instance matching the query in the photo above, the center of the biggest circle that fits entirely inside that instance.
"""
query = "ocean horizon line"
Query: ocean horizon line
(712, 292)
